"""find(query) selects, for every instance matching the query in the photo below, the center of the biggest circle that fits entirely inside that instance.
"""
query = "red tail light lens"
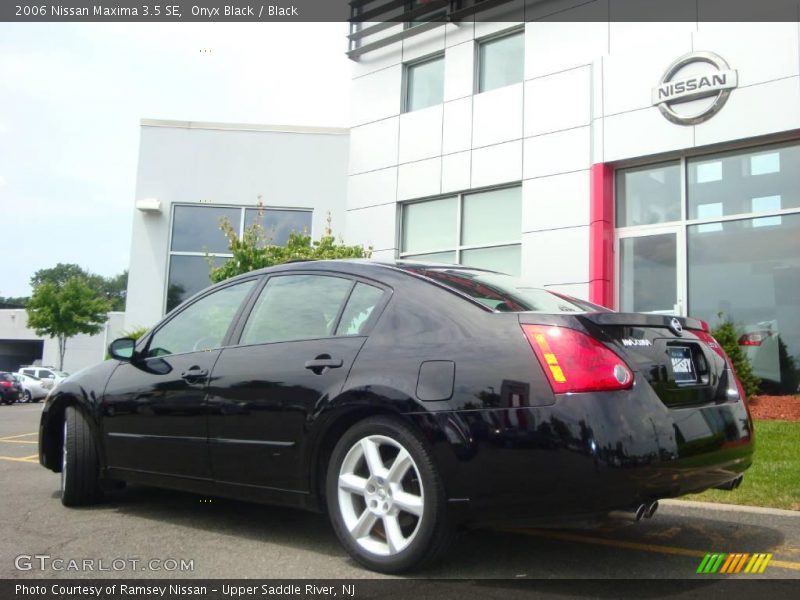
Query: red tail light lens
(576, 362)
(754, 338)
(5, 384)
(712, 343)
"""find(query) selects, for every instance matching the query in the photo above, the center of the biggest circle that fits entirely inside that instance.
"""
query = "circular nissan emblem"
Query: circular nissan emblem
(694, 88)
(676, 326)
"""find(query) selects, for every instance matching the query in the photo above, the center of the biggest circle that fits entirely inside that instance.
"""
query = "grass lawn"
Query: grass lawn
(774, 478)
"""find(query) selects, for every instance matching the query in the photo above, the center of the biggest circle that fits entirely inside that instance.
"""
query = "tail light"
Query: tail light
(714, 345)
(754, 338)
(576, 362)
(5, 384)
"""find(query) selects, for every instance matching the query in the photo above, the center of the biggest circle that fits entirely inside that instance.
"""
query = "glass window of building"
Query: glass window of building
(479, 230)
(196, 233)
(501, 61)
(424, 83)
(734, 256)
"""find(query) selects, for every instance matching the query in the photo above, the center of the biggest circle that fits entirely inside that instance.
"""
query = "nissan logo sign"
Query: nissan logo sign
(676, 326)
(694, 88)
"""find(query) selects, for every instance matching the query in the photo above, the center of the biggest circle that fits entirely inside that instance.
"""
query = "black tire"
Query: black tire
(434, 530)
(27, 395)
(80, 481)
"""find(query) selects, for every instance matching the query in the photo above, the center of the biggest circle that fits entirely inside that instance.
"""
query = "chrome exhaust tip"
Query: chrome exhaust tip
(635, 513)
(651, 510)
(731, 485)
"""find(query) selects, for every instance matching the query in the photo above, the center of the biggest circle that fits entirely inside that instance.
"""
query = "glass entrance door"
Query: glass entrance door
(650, 271)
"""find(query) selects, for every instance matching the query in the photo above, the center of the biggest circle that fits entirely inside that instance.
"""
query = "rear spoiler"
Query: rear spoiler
(643, 320)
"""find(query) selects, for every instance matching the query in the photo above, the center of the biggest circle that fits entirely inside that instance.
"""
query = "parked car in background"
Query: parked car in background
(44, 373)
(402, 399)
(10, 389)
(33, 388)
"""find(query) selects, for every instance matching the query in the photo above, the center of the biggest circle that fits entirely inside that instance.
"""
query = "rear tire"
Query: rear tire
(28, 397)
(385, 497)
(80, 481)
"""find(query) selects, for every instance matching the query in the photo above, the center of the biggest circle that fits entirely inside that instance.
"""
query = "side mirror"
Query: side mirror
(122, 348)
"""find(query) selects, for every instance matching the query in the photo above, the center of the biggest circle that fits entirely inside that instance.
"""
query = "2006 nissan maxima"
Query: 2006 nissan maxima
(405, 399)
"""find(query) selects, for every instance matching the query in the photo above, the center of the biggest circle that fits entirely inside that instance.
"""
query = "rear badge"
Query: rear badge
(676, 326)
(632, 342)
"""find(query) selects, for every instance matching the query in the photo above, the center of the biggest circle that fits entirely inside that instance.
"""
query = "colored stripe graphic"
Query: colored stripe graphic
(733, 563)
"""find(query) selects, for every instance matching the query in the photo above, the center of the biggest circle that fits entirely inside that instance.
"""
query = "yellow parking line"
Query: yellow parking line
(586, 539)
(33, 458)
(13, 437)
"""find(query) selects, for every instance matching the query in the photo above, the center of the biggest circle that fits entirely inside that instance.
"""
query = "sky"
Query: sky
(72, 96)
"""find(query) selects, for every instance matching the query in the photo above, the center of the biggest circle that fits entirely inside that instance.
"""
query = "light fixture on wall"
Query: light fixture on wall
(149, 205)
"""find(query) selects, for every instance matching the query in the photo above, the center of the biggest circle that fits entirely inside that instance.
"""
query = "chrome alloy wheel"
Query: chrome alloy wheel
(381, 498)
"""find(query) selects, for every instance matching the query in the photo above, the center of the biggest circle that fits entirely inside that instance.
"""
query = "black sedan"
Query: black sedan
(405, 399)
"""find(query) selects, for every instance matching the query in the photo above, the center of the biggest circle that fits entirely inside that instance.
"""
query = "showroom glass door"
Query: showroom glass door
(650, 271)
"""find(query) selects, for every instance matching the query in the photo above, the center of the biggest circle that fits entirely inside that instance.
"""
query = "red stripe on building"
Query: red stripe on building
(601, 236)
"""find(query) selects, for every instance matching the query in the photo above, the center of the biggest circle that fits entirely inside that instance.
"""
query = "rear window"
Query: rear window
(503, 293)
(6, 377)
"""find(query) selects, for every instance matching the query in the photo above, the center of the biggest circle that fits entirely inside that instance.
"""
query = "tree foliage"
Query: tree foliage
(252, 251)
(112, 288)
(728, 337)
(65, 304)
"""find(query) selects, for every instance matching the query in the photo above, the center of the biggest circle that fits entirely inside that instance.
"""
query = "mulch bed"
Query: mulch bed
(784, 408)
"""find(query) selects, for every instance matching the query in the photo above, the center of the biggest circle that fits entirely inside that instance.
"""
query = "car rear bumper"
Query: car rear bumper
(587, 454)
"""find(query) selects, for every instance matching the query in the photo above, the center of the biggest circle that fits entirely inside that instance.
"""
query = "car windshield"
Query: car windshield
(504, 293)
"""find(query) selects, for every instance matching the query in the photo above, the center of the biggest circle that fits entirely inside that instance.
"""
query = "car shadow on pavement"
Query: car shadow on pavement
(640, 550)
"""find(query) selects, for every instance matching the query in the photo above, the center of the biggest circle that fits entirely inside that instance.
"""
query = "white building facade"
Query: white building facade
(569, 153)
(192, 175)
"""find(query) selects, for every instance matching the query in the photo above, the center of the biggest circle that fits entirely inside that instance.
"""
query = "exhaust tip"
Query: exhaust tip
(651, 510)
(641, 511)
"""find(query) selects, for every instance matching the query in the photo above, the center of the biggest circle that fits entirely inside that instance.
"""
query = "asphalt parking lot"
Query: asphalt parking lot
(231, 539)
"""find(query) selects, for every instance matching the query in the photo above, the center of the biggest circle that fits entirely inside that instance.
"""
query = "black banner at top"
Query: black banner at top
(411, 11)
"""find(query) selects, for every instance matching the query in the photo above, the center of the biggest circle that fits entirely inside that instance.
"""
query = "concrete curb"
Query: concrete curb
(714, 506)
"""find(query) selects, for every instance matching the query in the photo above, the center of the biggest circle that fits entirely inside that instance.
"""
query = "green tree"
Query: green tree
(66, 309)
(112, 288)
(728, 337)
(252, 251)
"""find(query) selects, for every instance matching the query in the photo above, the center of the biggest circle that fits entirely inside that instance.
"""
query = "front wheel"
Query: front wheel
(28, 397)
(385, 498)
(80, 481)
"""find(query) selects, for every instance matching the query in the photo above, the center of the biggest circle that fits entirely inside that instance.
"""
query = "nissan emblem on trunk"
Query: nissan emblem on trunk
(676, 326)
(694, 88)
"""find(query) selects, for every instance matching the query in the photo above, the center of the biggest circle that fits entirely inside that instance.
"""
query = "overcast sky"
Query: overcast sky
(71, 97)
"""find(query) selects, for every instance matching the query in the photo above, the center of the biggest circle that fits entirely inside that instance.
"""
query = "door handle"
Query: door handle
(194, 374)
(322, 363)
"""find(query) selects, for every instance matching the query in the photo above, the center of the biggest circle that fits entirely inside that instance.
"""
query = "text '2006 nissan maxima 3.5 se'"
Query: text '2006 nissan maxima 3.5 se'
(405, 399)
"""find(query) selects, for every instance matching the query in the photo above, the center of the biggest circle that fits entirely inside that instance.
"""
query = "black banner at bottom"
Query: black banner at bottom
(418, 589)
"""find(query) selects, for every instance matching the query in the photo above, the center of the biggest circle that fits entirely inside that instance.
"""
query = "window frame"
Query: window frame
(240, 230)
(405, 108)
(244, 316)
(478, 70)
(402, 254)
(145, 347)
(681, 226)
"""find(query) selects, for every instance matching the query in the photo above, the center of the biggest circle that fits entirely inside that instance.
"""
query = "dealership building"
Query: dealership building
(647, 167)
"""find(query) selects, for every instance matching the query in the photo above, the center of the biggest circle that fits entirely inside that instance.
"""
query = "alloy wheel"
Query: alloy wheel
(381, 497)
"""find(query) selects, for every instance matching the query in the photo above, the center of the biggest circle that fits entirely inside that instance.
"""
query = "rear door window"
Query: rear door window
(359, 309)
(296, 307)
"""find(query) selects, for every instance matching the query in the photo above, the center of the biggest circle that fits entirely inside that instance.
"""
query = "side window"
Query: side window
(359, 308)
(202, 325)
(29, 372)
(296, 307)
(45, 374)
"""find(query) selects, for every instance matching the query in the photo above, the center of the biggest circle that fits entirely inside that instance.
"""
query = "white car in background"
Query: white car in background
(33, 388)
(50, 373)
